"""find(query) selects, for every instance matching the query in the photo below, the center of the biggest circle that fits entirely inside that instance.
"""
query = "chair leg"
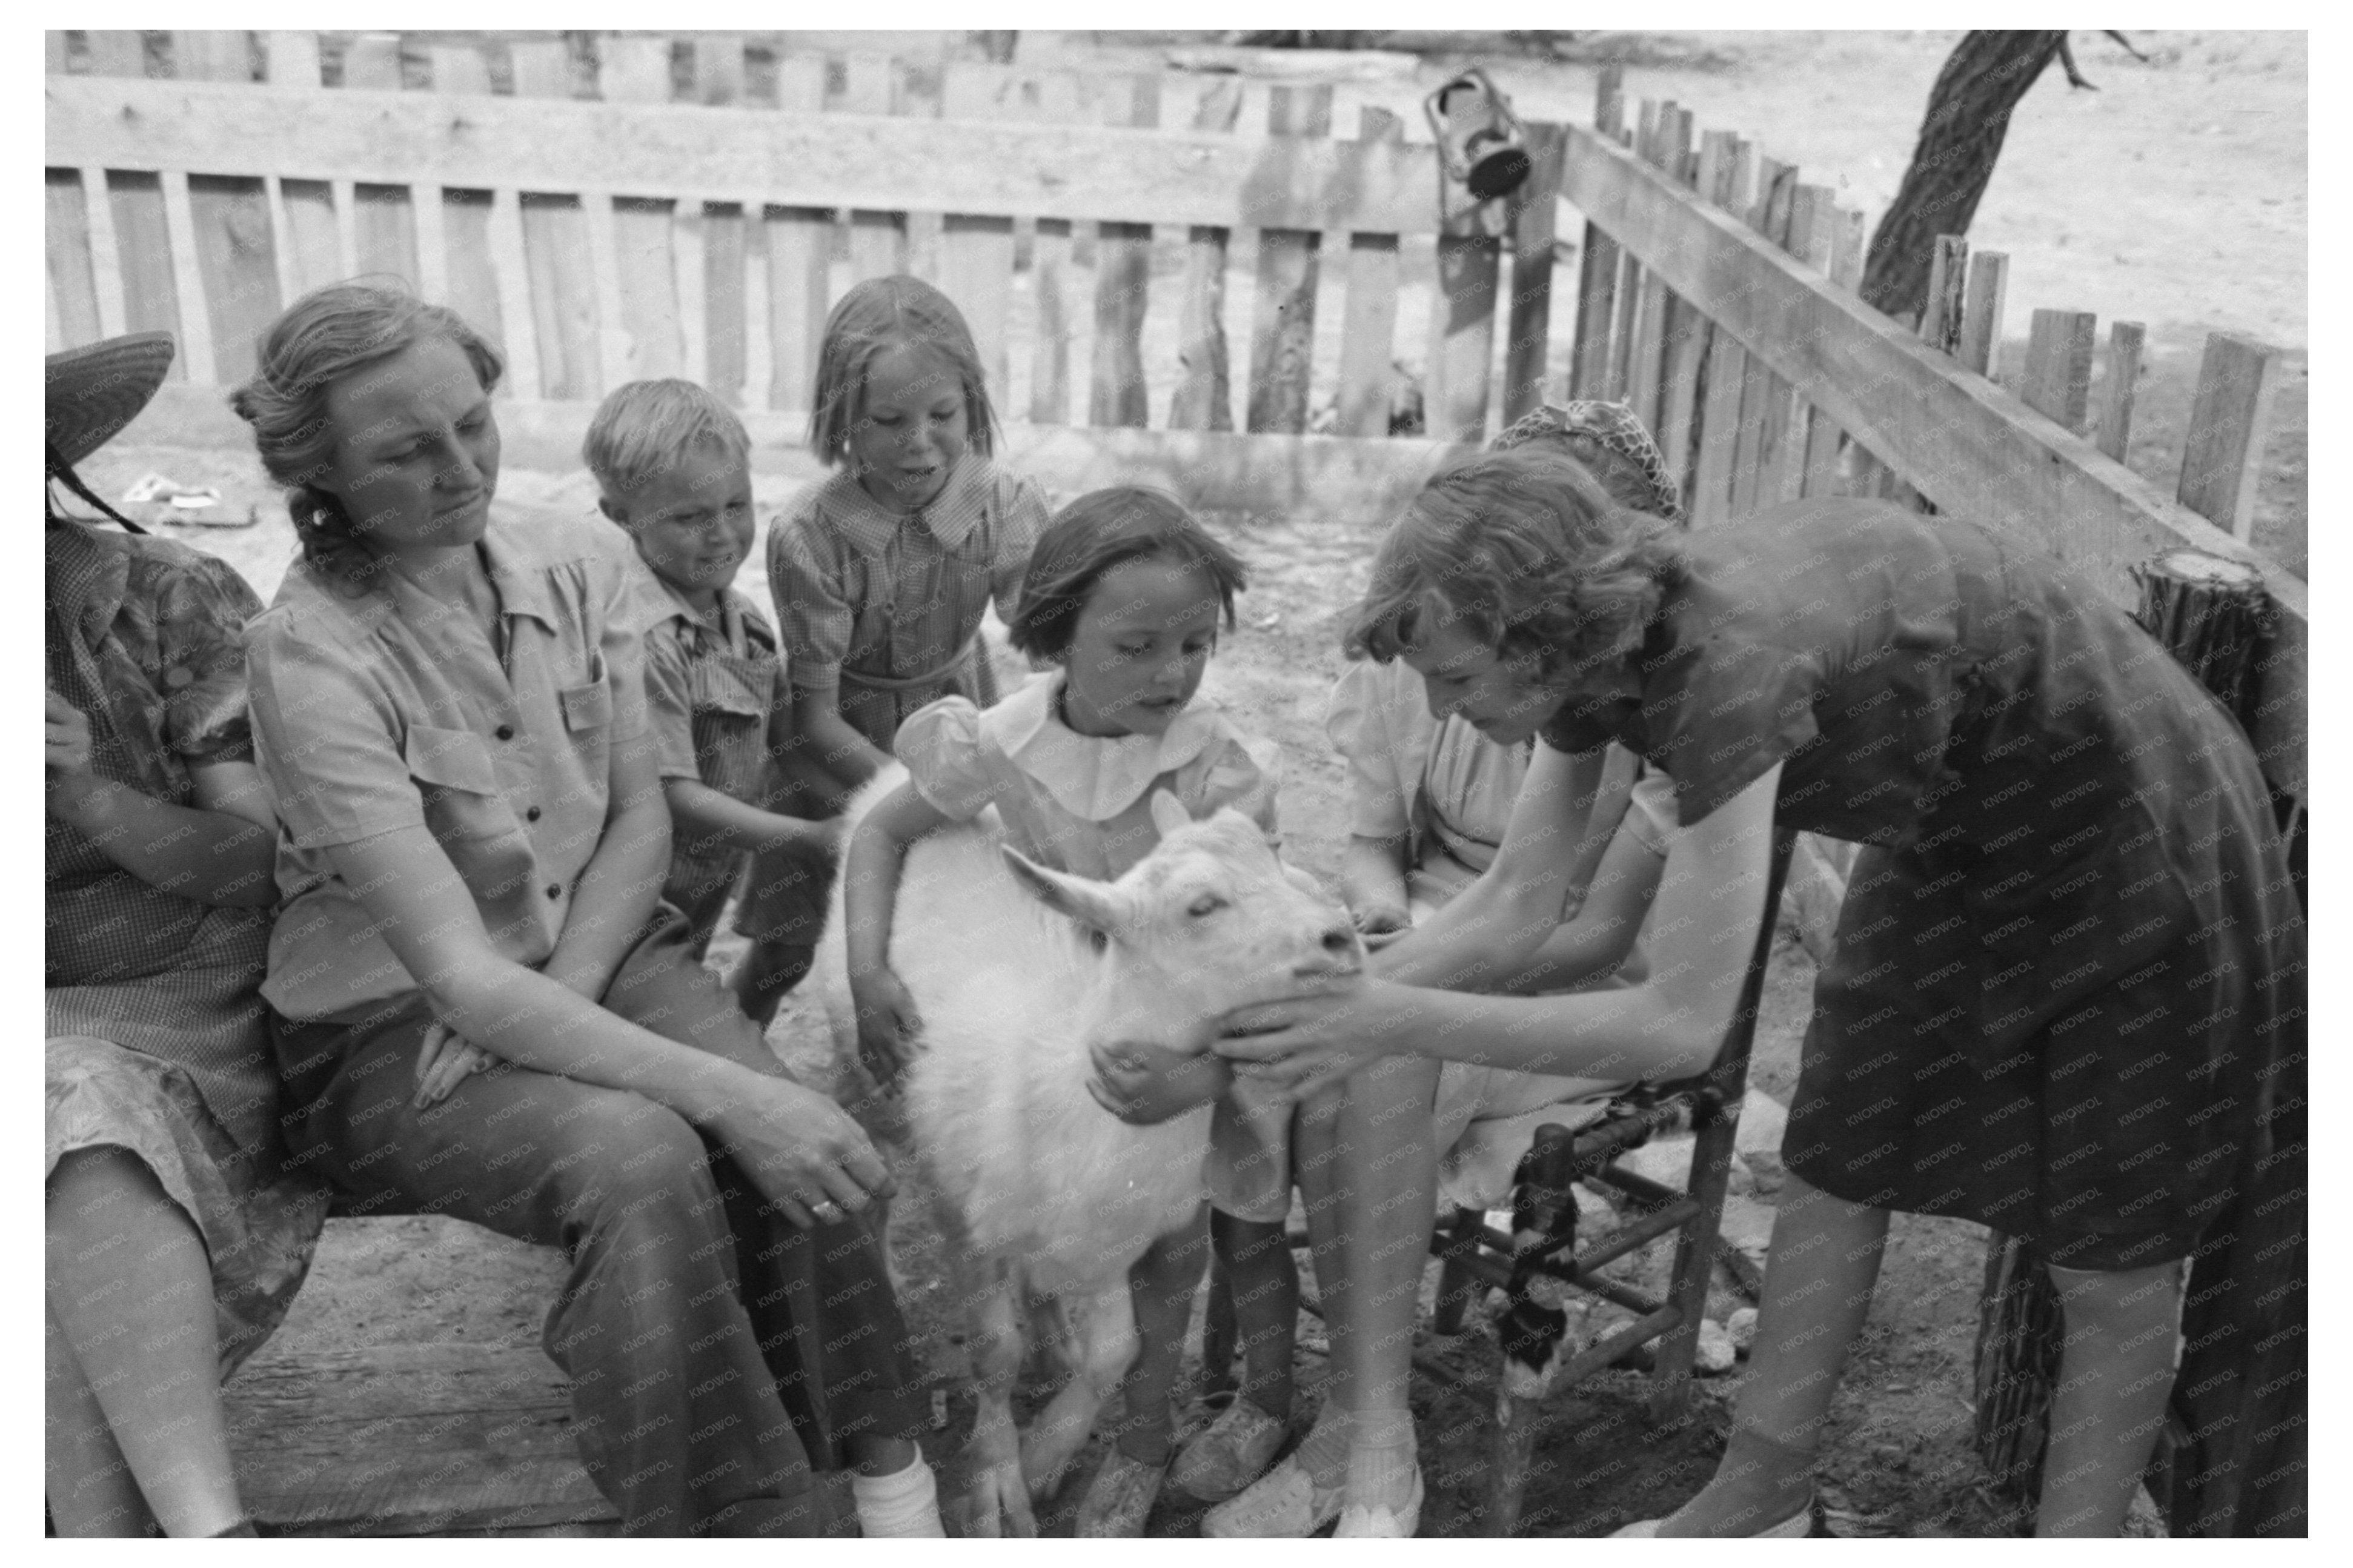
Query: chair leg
(1218, 1335)
(1696, 1248)
(1458, 1288)
(1508, 1462)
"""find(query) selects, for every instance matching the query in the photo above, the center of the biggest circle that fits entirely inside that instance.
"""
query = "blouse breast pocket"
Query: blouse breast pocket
(588, 707)
(459, 783)
(731, 695)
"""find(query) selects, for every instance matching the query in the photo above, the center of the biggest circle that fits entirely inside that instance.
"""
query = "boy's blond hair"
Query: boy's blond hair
(644, 429)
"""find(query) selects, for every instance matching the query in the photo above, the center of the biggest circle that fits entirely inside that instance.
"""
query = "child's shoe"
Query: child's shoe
(1285, 1503)
(1359, 1522)
(1119, 1500)
(1806, 1521)
(1230, 1453)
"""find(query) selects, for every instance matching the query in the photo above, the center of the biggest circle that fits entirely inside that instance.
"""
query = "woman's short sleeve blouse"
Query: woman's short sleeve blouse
(389, 710)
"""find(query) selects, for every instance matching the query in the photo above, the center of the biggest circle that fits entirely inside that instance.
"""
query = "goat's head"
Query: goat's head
(1211, 921)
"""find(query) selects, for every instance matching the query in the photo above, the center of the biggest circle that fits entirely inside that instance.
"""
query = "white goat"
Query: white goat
(1039, 1192)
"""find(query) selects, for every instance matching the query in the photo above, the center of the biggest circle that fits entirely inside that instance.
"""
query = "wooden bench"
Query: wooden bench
(409, 1439)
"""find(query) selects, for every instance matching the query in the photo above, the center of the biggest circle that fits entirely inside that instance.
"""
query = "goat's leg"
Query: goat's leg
(1105, 1325)
(995, 1501)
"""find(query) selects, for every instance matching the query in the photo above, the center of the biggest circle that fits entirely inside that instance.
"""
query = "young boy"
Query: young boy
(673, 465)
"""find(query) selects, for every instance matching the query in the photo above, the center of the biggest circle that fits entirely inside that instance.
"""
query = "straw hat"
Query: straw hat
(91, 392)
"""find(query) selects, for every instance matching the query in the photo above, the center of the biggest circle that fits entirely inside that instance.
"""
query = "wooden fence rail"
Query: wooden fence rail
(598, 241)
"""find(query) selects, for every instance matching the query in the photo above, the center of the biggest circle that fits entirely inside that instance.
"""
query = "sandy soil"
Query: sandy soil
(2175, 196)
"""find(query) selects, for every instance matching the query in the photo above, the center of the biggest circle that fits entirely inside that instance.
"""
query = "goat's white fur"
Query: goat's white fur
(1039, 1192)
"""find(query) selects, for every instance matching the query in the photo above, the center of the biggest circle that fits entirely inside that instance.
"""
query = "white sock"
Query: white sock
(905, 1506)
(1381, 1456)
(1324, 1453)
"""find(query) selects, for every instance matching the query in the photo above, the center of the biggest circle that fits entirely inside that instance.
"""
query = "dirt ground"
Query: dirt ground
(2176, 195)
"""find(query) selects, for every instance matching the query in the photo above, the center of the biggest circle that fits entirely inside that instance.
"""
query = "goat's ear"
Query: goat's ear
(1094, 905)
(1303, 880)
(1168, 813)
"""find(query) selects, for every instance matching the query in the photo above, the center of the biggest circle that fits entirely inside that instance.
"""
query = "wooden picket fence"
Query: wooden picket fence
(674, 224)
(631, 235)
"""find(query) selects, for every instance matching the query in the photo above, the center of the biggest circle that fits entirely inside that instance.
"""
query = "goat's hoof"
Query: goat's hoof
(999, 1503)
(1046, 1468)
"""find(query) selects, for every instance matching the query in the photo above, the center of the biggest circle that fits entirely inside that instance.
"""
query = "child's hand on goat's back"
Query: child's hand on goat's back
(887, 1022)
(1146, 1084)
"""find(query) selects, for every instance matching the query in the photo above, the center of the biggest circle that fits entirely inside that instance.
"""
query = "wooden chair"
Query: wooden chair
(1541, 1259)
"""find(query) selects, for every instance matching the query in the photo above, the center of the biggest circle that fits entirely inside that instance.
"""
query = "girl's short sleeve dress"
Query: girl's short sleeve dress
(2071, 953)
(884, 608)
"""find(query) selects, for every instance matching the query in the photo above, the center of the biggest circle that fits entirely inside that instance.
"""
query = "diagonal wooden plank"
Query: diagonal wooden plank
(1967, 445)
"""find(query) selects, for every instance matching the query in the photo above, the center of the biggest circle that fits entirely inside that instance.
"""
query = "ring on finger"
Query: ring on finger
(827, 1209)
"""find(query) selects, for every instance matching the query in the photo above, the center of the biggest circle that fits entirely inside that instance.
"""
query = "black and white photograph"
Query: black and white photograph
(1237, 783)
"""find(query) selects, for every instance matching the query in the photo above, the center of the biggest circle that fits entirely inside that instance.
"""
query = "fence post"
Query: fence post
(1596, 267)
(2222, 460)
(798, 244)
(1709, 498)
(1761, 390)
(1283, 334)
(718, 70)
(1204, 397)
(1115, 392)
(116, 51)
(211, 54)
(1689, 332)
(1824, 439)
(976, 251)
(2116, 396)
(2058, 380)
(1535, 209)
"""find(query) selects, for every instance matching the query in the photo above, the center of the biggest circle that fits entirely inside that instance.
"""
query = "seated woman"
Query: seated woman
(176, 1239)
(2020, 759)
(1430, 798)
(1465, 1082)
(1463, 791)
(453, 720)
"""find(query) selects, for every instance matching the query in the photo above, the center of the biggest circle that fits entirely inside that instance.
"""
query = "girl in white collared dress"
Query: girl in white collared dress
(1125, 596)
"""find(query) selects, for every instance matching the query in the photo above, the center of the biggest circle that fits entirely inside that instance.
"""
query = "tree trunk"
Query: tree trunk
(1969, 114)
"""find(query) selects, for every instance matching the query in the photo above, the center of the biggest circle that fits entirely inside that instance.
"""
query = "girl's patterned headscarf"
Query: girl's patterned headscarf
(1613, 427)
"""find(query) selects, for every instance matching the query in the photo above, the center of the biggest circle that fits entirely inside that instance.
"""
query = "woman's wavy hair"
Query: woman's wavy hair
(1102, 529)
(890, 313)
(1529, 555)
(322, 337)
